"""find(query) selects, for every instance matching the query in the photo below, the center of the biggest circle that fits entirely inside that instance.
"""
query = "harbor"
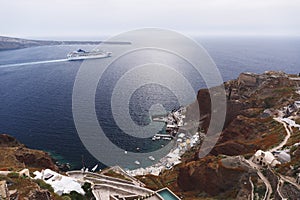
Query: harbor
(175, 130)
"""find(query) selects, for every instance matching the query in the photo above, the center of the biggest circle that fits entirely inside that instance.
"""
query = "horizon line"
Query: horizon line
(101, 37)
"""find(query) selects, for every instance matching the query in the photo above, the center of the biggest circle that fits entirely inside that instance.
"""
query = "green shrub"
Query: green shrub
(13, 175)
(76, 196)
(88, 190)
(44, 185)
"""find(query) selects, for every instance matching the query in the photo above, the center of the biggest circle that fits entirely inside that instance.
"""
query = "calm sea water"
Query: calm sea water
(36, 99)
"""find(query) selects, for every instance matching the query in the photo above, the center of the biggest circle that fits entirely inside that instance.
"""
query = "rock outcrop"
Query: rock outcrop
(39, 194)
(14, 155)
(8, 141)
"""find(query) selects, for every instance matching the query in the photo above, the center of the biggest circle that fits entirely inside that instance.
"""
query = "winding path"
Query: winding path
(269, 189)
(262, 177)
(279, 185)
(286, 137)
(289, 180)
(252, 188)
(281, 178)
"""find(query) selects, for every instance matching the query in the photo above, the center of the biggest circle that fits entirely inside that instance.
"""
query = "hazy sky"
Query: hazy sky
(91, 18)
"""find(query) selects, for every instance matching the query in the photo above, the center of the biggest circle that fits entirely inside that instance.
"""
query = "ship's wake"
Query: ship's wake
(33, 63)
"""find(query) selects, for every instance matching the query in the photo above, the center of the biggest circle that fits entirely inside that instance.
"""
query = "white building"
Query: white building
(282, 156)
(265, 158)
(60, 183)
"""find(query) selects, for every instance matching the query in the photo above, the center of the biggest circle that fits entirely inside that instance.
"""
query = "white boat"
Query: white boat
(153, 138)
(94, 168)
(151, 158)
(137, 162)
(83, 55)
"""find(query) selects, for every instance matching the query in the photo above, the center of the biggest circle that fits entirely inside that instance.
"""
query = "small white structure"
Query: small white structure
(24, 172)
(171, 125)
(283, 156)
(297, 104)
(265, 158)
(179, 140)
(194, 139)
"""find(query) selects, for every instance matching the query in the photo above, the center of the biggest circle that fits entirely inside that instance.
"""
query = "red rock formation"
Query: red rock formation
(211, 176)
(8, 141)
(17, 155)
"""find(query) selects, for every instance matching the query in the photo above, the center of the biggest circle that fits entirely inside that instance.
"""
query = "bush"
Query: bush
(13, 175)
(66, 198)
(269, 102)
(88, 191)
(44, 185)
(76, 196)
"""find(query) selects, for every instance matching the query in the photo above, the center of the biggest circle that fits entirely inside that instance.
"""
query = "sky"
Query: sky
(79, 19)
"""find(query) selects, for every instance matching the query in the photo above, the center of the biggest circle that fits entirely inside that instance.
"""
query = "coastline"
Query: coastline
(9, 43)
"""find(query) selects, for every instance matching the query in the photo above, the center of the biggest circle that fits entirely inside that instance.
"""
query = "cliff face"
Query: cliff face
(248, 127)
(14, 155)
(215, 170)
(8, 141)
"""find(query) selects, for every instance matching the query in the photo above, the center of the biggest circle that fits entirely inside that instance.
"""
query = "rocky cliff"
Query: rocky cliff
(249, 126)
(14, 155)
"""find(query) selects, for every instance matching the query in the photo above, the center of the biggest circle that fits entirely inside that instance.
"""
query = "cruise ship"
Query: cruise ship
(83, 55)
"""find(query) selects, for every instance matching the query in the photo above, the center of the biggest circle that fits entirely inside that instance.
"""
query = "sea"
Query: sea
(36, 87)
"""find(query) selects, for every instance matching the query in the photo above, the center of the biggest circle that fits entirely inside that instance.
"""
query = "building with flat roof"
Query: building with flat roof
(265, 158)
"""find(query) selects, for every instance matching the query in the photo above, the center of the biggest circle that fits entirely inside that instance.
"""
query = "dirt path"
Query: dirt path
(269, 189)
(252, 188)
(262, 177)
(286, 137)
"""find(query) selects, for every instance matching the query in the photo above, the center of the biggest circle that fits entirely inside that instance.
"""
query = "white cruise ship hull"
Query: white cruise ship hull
(85, 57)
